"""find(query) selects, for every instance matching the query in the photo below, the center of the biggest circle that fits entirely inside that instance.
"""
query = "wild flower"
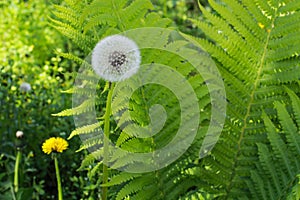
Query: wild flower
(54, 144)
(116, 58)
(25, 87)
(19, 134)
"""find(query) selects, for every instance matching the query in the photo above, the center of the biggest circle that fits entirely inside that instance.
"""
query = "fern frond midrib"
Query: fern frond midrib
(116, 13)
(251, 101)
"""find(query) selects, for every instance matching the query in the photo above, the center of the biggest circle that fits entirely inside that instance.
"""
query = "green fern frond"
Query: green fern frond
(86, 106)
(90, 159)
(101, 19)
(68, 14)
(155, 20)
(95, 170)
(255, 45)
(81, 91)
(295, 191)
(135, 186)
(121, 178)
(256, 49)
(72, 57)
(91, 142)
(279, 164)
(130, 14)
(73, 33)
(86, 129)
(198, 195)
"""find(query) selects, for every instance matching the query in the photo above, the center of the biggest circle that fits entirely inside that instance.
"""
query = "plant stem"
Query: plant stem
(16, 177)
(106, 139)
(59, 189)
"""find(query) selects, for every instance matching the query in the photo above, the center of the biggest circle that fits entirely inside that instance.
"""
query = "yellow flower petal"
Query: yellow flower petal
(261, 25)
(54, 144)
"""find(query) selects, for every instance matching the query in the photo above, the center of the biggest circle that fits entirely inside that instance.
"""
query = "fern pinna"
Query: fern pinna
(255, 45)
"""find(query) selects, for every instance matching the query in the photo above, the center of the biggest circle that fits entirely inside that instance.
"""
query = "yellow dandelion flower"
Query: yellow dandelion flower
(261, 25)
(54, 144)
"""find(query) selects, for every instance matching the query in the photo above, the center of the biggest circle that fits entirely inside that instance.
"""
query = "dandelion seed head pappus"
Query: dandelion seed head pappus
(116, 58)
(25, 87)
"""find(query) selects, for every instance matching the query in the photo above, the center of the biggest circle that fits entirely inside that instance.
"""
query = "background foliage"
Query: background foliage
(256, 47)
(27, 54)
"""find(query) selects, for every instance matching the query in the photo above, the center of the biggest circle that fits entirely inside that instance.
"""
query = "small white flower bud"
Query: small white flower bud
(25, 87)
(19, 134)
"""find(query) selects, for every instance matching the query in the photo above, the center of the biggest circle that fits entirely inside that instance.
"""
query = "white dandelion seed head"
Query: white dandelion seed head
(25, 87)
(116, 58)
(19, 134)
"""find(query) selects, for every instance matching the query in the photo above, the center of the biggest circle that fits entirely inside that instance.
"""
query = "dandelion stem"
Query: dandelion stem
(106, 140)
(59, 189)
(16, 177)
